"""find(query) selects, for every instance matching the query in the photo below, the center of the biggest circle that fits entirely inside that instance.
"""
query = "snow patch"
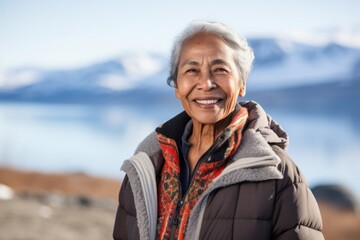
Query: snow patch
(140, 65)
(346, 35)
(114, 82)
(19, 78)
(299, 71)
(137, 67)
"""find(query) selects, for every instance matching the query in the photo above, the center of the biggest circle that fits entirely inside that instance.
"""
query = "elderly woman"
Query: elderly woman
(218, 170)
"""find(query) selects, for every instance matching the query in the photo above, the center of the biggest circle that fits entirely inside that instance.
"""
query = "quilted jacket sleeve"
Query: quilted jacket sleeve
(296, 214)
(125, 226)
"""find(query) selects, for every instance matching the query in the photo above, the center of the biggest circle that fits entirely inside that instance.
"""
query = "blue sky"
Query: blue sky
(67, 33)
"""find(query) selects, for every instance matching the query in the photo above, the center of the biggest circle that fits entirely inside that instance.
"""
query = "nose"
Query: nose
(206, 82)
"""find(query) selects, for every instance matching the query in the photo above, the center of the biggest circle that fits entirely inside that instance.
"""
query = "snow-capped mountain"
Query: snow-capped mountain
(125, 73)
(279, 63)
(115, 74)
(285, 63)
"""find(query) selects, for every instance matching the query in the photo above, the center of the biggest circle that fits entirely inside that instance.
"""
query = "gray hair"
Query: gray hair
(244, 55)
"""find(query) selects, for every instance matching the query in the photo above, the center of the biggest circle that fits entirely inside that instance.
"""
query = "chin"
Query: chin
(207, 119)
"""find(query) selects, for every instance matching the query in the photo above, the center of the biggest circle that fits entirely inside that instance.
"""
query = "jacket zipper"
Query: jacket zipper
(205, 157)
(175, 219)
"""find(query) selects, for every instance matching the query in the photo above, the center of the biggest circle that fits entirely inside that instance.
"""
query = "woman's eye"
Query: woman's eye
(220, 70)
(191, 70)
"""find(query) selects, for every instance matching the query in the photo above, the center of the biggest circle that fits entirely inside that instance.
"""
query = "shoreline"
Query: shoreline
(68, 184)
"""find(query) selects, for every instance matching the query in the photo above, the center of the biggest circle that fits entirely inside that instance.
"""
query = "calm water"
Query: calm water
(96, 139)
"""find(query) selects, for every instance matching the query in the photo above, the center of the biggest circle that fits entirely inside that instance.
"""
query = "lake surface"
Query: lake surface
(97, 138)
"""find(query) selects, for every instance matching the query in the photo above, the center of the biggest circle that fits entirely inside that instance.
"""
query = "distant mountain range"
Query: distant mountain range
(285, 72)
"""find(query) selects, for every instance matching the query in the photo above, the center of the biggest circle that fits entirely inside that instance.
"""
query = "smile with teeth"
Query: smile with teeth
(207, 101)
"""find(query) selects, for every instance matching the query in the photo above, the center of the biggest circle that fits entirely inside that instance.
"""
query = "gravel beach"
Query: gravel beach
(56, 206)
(74, 206)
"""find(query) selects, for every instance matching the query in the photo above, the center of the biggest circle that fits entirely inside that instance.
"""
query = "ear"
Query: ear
(242, 91)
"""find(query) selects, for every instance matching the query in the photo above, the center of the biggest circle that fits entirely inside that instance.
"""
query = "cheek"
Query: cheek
(183, 89)
(231, 87)
(233, 92)
(230, 104)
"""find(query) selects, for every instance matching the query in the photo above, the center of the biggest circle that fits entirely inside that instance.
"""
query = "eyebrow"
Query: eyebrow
(214, 62)
(190, 62)
(219, 61)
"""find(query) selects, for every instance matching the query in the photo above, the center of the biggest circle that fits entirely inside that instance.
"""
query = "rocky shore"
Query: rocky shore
(37, 206)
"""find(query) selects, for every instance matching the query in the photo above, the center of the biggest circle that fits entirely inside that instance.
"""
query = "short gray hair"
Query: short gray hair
(244, 55)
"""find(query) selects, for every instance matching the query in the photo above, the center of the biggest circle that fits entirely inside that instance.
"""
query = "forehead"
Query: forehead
(205, 44)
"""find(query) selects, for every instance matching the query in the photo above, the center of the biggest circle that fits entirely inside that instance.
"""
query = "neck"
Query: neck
(207, 133)
(203, 137)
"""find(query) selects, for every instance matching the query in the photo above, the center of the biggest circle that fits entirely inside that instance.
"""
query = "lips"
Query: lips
(207, 101)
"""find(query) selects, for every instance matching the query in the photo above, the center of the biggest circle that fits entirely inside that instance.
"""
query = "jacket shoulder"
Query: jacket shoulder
(288, 168)
(296, 212)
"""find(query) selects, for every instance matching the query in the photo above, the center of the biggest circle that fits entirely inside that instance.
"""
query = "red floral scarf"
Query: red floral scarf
(174, 210)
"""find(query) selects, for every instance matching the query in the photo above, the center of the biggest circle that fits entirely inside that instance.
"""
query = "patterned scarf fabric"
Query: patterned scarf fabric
(173, 209)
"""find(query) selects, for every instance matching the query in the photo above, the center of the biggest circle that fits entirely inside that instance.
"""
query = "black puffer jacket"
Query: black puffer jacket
(260, 195)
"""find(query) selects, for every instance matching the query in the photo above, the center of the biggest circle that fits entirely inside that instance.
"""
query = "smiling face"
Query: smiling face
(208, 81)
